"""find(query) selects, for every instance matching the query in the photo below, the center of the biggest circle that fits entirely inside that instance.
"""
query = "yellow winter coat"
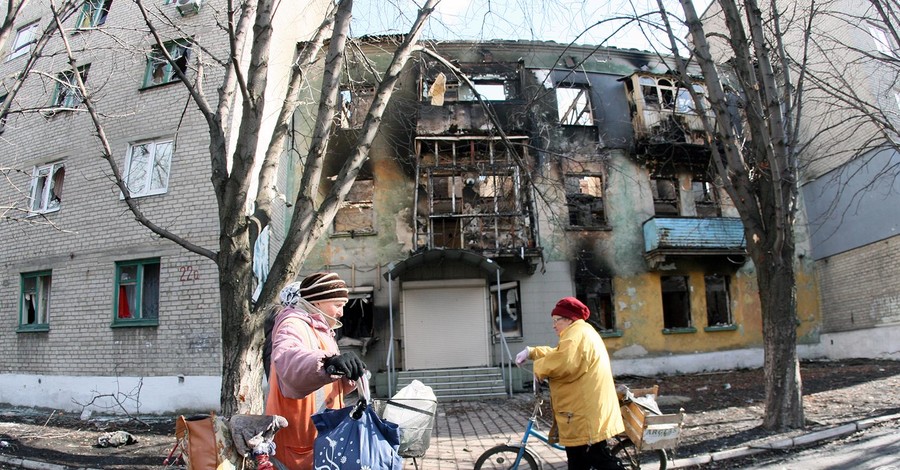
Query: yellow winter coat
(582, 391)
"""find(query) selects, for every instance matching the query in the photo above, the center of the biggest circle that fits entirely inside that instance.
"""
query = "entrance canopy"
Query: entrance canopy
(437, 256)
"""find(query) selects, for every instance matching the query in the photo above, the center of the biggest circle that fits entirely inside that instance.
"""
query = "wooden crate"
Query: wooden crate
(646, 430)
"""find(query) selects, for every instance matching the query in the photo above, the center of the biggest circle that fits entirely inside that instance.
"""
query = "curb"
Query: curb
(783, 444)
(37, 464)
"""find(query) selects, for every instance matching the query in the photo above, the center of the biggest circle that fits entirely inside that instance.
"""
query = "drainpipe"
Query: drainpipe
(390, 354)
(504, 346)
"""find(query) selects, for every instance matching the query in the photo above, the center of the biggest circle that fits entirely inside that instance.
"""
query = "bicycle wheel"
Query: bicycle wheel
(632, 459)
(505, 457)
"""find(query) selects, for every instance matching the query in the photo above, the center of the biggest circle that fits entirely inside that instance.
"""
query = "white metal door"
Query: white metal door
(445, 324)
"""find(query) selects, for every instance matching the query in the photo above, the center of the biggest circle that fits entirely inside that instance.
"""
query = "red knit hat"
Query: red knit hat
(571, 308)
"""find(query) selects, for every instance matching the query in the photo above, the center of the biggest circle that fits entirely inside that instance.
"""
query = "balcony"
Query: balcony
(665, 237)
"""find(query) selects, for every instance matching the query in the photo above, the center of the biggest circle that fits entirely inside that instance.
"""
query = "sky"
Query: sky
(591, 22)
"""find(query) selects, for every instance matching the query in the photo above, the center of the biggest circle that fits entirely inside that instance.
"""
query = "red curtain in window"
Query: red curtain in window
(124, 310)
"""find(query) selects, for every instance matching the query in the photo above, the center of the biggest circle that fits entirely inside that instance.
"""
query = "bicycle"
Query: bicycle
(516, 456)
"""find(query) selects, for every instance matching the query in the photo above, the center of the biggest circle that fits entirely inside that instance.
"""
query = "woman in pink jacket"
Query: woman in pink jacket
(308, 372)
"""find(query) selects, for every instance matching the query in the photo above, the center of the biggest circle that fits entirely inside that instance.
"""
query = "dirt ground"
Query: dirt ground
(724, 410)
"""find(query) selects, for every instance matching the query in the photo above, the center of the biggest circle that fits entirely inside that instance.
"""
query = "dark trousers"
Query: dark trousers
(595, 456)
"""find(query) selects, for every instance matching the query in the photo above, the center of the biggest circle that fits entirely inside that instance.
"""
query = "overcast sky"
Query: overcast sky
(550, 20)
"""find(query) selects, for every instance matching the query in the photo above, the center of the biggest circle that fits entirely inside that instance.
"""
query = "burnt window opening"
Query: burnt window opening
(706, 198)
(509, 315)
(718, 300)
(676, 302)
(471, 194)
(450, 89)
(574, 106)
(584, 200)
(358, 327)
(355, 103)
(357, 215)
(597, 294)
(660, 93)
(665, 196)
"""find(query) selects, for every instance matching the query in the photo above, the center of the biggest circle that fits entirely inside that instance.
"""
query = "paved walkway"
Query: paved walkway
(464, 430)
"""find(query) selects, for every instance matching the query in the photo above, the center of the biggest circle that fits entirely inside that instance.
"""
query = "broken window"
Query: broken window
(93, 13)
(574, 106)
(137, 291)
(705, 198)
(882, 44)
(584, 199)
(25, 37)
(147, 168)
(34, 301)
(357, 215)
(665, 196)
(46, 187)
(508, 318)
(67, 94)
(449, 89)
(159, 70)
(718, 304)
(676, 302)
(665, 94)
(355, 104)
(597, 294)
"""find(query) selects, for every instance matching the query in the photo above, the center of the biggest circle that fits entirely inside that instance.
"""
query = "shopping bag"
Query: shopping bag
(354, 437)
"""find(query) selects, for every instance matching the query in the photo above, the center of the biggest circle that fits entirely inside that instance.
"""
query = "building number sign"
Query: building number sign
(188, 273)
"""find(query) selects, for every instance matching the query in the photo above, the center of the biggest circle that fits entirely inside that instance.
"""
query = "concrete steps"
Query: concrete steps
(458, 384)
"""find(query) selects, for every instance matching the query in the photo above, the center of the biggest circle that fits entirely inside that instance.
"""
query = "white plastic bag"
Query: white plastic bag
(413, 408)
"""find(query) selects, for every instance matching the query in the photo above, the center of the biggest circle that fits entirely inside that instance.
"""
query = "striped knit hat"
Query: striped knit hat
(320, 287)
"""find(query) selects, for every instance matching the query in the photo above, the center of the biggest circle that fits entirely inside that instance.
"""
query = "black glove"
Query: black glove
(346, 364)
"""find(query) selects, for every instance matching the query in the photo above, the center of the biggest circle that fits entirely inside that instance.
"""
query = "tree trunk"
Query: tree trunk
(242, 370)
(775, 276)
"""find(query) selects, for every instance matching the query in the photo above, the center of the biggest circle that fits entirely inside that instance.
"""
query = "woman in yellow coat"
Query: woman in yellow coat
(582, 392)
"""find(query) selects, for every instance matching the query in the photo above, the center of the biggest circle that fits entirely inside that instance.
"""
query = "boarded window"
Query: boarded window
(676, 302)
(357, 215)
(718, 305)
(596, 293)
(584, 199)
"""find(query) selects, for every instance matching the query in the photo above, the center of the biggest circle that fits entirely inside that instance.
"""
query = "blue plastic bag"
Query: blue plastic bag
(348, 443)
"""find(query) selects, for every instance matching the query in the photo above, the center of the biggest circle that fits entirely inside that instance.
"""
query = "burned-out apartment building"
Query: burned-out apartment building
(509, 174)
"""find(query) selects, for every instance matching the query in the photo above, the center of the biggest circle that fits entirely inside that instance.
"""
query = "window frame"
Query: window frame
(94, 14)
(66, 94)
(156, 57)
(598, 294)
(47, 189)
(5, 117)
(672, 206)
(588, 200)
(43, 287)
(20, 48)
(152, 162)
(882, 43)
(141, 318)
